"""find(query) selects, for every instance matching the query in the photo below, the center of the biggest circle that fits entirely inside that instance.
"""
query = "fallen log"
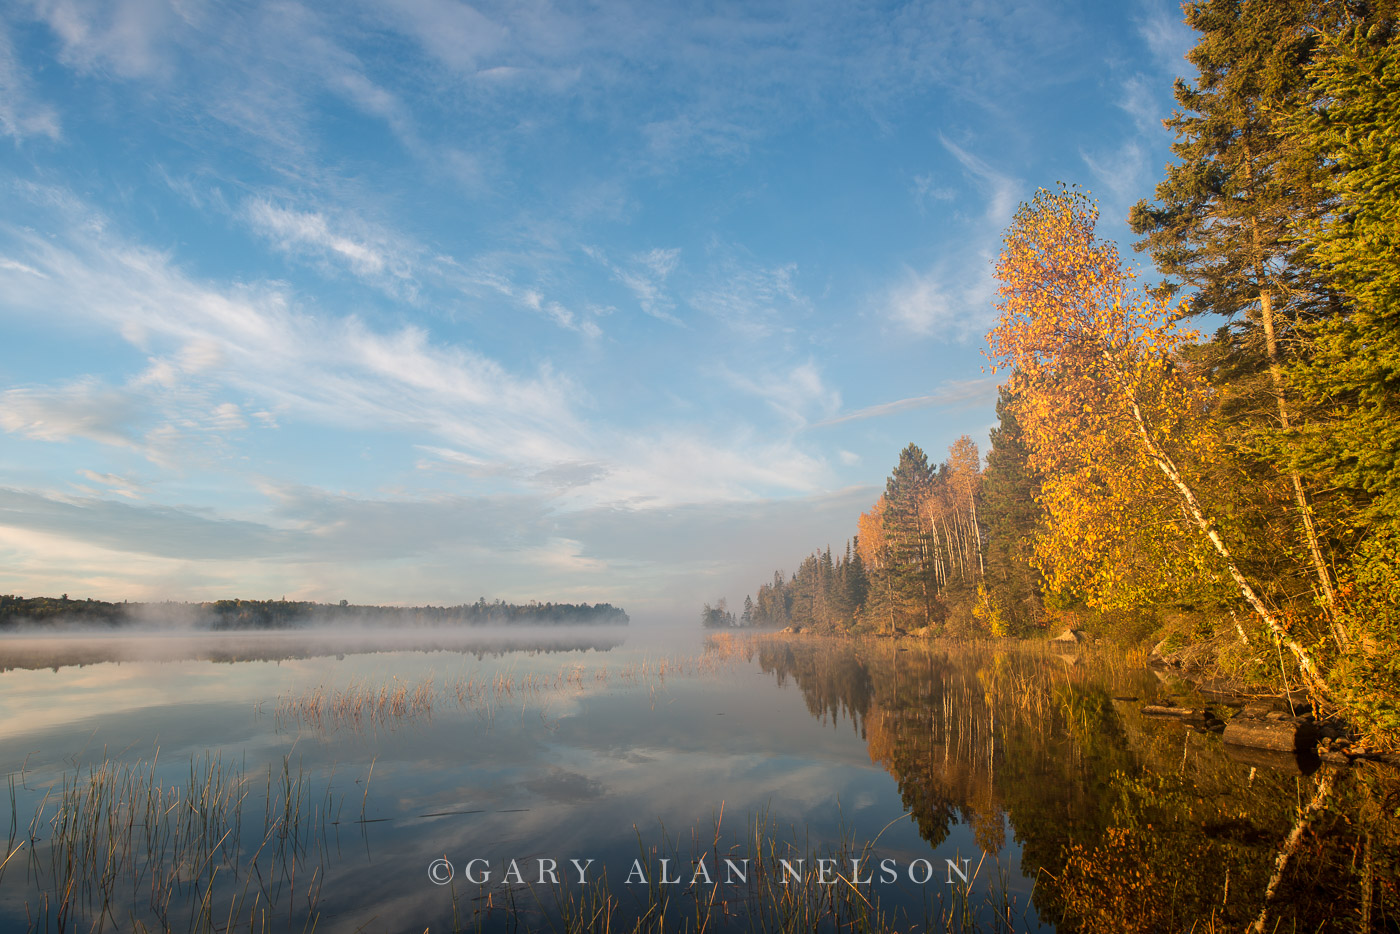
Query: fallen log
(1280, 735)
(1180, 713)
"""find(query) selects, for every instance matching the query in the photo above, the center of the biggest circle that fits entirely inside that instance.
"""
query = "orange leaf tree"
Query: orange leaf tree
(1120, 431)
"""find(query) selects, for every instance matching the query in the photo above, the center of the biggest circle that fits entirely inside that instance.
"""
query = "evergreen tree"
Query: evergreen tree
(1226, 215)
(911, 580)
(855, 579)
(1352, 377)
(1011, 512)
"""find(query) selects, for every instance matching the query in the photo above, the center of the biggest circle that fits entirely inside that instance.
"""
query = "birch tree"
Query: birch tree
(1111, 417)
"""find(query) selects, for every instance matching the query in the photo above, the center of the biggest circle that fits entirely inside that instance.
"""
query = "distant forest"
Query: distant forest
(288, 614)
(1232, 496)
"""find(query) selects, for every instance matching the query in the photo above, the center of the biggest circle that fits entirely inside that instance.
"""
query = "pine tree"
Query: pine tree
(1226, 216)
(1352, 376)
(1010, 488)
(911, 580)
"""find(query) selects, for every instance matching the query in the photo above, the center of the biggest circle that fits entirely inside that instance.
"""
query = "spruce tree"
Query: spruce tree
(1011, 513)
(1227, 215)
(910, 571)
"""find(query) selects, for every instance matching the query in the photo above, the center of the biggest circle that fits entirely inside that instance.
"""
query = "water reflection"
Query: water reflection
(1131, 824)
(1091, 816)
(89, 647)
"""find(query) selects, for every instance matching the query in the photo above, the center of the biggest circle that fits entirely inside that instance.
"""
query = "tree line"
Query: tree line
(1237, 491)
(282, 614)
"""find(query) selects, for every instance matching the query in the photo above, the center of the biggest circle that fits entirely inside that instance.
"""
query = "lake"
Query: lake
(607, 779)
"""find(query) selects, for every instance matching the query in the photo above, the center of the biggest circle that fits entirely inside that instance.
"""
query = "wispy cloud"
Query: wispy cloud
(21, 116)
(926, 191)
(793, 394)
(645, 277)
(1123, 171)
(15, 266)
(493, 274)
(216, 357)
(335, 370)
(1167, 36)
(83, 409)
(126, 37)
(953, 295)
(308, 232)
(953, 298)
(752, 299)
(1001, 190)
(952, 394)
(1140, 99)
(121, 486)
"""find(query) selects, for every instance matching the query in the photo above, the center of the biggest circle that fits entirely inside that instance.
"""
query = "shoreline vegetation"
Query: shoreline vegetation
(1228, 499)
(31, 613)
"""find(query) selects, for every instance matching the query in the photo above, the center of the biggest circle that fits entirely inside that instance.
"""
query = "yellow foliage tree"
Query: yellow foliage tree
(870, 537)
(1118, 428)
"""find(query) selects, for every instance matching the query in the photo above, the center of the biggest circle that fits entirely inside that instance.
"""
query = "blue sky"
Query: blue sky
(420, 301)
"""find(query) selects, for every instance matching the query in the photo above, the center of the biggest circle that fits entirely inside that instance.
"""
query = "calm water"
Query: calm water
(286, 782)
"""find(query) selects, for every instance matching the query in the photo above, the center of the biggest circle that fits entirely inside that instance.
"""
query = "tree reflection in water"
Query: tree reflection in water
(1129, 824)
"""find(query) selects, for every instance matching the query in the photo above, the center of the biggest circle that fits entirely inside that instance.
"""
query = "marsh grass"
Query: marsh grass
(786, 884)
(115, 845)
(361, 705)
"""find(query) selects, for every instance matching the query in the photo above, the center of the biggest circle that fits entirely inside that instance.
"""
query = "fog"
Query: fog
(42, 647)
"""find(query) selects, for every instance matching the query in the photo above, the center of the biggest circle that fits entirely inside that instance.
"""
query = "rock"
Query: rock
(1070, 660)
(1071, 635)
(1280, 735)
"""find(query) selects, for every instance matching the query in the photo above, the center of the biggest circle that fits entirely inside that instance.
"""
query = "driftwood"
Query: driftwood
(1195, 717)
(1283, 735)
(1180, 713)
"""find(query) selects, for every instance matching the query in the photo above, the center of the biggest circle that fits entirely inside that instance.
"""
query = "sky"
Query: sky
(419, 301)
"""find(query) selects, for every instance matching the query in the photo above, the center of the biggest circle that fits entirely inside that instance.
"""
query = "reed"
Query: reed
(362, 705)
(783, 889)
(117, 845)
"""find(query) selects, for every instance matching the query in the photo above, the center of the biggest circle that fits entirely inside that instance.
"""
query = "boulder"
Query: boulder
(1071, 635)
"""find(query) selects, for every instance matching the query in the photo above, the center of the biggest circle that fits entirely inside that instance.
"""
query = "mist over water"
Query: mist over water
(46, 647)
(401, 746)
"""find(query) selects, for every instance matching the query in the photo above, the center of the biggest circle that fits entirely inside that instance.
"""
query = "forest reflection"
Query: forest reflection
(80, 648)
(1126, 823)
